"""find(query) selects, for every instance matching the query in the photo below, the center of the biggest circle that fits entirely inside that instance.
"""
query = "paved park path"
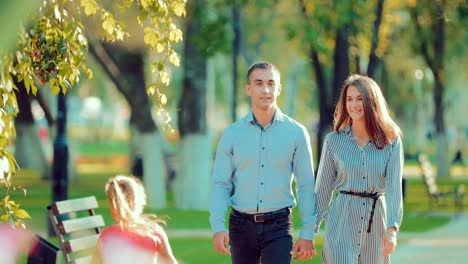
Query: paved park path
(446, 245)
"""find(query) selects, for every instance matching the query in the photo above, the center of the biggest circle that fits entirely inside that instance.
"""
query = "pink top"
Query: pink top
(118, 245)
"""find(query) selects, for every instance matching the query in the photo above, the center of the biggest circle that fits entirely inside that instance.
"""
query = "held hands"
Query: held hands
(389, 241)
(221, 243)
(303, 249)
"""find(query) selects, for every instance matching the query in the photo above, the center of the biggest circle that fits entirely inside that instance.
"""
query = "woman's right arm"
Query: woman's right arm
(326, 177)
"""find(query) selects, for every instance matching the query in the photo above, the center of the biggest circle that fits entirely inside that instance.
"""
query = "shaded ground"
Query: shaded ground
(448, 244)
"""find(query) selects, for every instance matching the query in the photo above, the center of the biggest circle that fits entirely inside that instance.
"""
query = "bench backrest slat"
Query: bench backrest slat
(74, 205)
(82, 223)
(77, 244)
(77, 227)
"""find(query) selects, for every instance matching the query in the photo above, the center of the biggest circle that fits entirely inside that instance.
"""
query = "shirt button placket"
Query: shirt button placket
(363, 163)
(262, 166)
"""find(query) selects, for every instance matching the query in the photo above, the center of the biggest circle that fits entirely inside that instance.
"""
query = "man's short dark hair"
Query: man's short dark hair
(261, 65)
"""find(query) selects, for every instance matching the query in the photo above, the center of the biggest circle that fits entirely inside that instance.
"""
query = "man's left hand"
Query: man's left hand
(303, 249)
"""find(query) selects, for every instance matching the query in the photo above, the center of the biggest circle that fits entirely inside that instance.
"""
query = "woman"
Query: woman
(361, 162)
(136, 237)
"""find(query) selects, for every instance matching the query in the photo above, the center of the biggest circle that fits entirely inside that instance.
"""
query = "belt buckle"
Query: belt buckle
(258, 218)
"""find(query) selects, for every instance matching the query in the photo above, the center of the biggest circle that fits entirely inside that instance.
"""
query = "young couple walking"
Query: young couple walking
(259, 156)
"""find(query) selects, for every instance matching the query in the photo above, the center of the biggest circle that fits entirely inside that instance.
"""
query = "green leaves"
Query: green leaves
(9, 209)
(53, 50)
(8, 109)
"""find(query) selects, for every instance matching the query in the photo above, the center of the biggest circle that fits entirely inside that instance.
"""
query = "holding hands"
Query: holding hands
(303, 249)
(389, 241)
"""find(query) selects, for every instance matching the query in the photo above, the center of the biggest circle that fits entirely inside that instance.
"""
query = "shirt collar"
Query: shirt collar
(347, 131)
(278, 116)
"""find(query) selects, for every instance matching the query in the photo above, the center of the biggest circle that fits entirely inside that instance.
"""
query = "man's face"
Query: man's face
(263, 88)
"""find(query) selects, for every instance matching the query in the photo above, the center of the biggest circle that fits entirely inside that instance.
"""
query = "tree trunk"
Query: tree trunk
(29, 152)
(325, 117)
(154, 171)
(439, 87)
(126, 70)
(373, 59)
(340, 73)
(340, 65)
(327, 94)
(235, 55)
(192, 183)
(436, 64)
(419, 119)
(443, 161)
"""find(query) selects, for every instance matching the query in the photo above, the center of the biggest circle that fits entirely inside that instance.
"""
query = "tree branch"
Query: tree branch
(107, 63)
(423, 42)
(313, 54)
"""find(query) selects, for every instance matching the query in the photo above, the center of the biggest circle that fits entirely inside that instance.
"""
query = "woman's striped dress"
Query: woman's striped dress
(345, 166)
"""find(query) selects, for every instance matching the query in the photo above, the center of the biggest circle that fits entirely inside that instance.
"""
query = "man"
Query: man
(256, 160)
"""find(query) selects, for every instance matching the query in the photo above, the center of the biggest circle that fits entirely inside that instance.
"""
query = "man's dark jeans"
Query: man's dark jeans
(268, 242)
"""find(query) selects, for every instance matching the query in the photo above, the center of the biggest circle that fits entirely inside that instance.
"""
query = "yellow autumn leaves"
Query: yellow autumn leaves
(90, 6)
(159, 30)
(159, 35)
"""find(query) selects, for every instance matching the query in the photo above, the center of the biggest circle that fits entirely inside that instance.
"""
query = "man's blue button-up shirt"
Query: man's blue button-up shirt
(254, 170)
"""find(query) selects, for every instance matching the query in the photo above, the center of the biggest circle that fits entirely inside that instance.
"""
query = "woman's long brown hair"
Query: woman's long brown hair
(380, 126)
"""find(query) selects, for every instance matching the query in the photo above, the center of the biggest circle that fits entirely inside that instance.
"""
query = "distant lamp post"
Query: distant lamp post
(60, 161)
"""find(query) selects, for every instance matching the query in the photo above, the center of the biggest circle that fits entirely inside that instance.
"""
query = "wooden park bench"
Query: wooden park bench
(435, 194)
(77, 228)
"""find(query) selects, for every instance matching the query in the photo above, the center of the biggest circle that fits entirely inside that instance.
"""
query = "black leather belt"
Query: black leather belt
(373, 196)
(264, 217)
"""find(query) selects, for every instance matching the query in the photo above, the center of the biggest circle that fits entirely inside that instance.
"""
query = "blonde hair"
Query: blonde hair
(127, 199)
(380, 126)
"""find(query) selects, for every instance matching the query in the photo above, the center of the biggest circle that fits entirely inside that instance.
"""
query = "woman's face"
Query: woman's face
(354, 104)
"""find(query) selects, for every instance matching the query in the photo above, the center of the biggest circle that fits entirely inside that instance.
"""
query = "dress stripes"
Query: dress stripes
(346, 166)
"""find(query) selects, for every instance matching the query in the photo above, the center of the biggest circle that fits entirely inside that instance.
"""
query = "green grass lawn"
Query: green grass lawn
(200, 250)
(100, 149)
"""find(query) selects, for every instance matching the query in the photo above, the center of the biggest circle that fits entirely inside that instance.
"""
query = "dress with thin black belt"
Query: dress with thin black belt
(346, 173)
